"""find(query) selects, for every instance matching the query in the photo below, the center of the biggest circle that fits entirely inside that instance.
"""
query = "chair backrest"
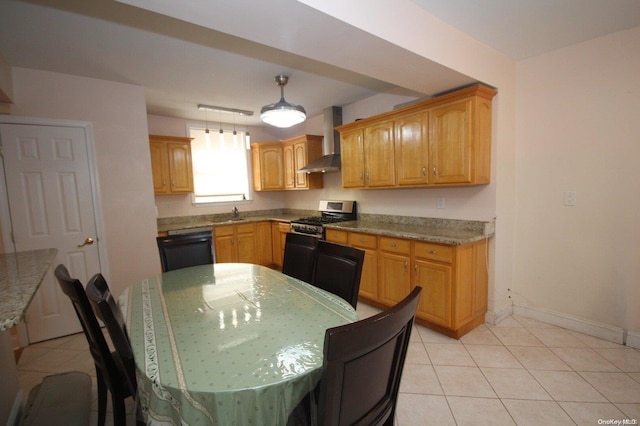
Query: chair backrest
(98, 346)
(363, 363)
(106, 308)
(299, 256)
(184, 250)
(338, 270)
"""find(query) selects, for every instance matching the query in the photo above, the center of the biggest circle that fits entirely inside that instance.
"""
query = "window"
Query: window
(220, 166)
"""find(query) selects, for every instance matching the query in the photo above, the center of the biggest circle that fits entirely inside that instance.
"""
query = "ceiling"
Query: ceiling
(226, 53)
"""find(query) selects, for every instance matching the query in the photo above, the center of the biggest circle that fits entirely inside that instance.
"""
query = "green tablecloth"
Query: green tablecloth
(227, 344)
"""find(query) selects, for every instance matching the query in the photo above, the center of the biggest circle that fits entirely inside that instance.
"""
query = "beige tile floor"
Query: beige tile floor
(520, 371)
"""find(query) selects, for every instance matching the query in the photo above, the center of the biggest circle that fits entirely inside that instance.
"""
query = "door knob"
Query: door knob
(87, 242)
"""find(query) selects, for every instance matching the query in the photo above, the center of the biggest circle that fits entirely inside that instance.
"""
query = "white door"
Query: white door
(51, 205)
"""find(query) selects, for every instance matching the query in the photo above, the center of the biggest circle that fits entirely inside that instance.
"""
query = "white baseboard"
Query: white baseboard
(570, 322)
(494, 317)
(633, 339)
(16, 414)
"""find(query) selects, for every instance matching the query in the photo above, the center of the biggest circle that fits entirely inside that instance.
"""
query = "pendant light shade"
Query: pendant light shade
(282, 114)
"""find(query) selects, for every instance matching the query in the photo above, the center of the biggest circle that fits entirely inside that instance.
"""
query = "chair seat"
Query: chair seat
(61, 399)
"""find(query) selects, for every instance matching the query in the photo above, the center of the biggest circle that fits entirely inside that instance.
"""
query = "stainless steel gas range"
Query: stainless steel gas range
(330, 212)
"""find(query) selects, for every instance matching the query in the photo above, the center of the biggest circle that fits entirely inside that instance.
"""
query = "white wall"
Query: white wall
(579, 130)
(118, 114)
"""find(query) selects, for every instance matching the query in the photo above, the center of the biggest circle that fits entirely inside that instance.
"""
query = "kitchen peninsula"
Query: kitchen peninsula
(20, 276)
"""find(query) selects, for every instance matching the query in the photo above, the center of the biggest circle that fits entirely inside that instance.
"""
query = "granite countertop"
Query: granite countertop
(433, 230)
(190, 222)
(20, 276)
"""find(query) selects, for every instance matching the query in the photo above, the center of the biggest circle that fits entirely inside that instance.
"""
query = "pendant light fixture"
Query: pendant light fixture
(247, 135)
(207, 136)
(282, 114)
(220, 110)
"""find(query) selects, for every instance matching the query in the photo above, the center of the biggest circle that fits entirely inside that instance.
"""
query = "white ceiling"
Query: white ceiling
(226, 53)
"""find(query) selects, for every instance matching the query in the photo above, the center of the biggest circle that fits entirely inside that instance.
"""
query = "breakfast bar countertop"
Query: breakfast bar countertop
(20, 276)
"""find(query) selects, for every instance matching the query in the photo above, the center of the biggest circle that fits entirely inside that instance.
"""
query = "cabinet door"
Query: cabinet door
(180, 168)
(352, 158)
(272, 168)
(379, 155)
(369, 279)
(395, 277)
(435, 300)
(412, 149)
(246, 243)
(450, 143)
(263, 243)
(159, 167)
(279, 232)
(471, 282)
(289, 165)
(300, 160)
(225, 245)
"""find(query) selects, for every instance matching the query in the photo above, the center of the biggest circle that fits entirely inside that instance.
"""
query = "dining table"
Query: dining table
(227, 343)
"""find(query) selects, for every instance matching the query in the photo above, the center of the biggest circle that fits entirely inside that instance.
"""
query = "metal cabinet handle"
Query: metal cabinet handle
(86, 242)
(434, 172)
(424, 171)
(432, 251)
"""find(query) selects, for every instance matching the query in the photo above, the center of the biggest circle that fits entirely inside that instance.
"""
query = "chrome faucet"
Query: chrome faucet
(235, 211)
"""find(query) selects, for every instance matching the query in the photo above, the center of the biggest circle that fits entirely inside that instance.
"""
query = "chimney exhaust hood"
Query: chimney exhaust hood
(330, 160)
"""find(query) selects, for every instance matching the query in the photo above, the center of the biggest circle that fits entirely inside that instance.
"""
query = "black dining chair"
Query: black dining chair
(299, 256)
(107, 310)
(110, 371)
(362, 367)
(338, 270)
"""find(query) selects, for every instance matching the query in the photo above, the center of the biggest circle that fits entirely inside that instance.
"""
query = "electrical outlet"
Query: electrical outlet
(569, 198)
(440, 204)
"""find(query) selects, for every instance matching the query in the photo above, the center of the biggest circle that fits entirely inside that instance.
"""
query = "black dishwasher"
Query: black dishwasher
(189, 247)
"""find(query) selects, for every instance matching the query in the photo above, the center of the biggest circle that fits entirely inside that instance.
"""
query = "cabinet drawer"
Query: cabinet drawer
(246, 228)
(431, 251)
(335, 236)
(363, 240)
(223, 231)
(395, 245)
(284, 227)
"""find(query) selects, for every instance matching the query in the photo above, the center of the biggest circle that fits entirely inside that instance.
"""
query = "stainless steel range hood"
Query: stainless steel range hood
(330, 160)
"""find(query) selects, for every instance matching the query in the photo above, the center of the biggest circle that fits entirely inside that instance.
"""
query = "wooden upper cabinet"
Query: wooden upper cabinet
(379, 158)
(445, 140)
(450, 143)
(267, 166)
(412, 149)
(352, 158)
(288, 161)
(297, 153)
(367, 157)
(171, 164)
(276, 164)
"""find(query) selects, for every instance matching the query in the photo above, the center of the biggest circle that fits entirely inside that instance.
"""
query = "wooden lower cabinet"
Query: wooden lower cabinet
(454, 279)
(369, 280)
(279, 232)
(264, 245)
(394, 280)
(235, 243)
